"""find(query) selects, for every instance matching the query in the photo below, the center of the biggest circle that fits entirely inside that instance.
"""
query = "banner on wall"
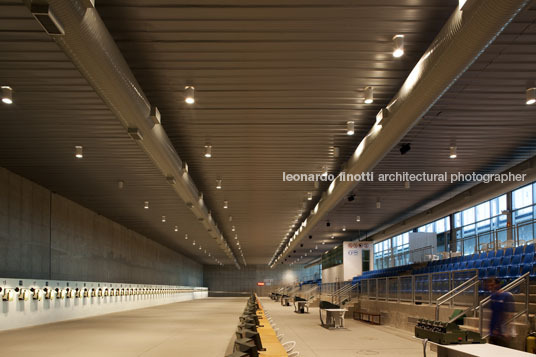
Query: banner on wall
(353, 258)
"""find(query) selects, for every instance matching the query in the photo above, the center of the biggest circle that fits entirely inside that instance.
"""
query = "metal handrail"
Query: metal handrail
(524, 278)
(345, 289)
(470, 284)
(456, 288)
(507, 287)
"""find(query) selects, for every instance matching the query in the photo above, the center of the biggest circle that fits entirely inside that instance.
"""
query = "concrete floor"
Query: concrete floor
(357, 339)
(191, 328)
(201, 328)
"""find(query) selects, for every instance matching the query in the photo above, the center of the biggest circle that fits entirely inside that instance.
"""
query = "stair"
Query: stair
(520, 326)
(521, 329)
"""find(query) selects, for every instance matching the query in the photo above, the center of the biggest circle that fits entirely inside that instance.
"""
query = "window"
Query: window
(473, 227)
(522, 197)
(469, 216)
(483, 211)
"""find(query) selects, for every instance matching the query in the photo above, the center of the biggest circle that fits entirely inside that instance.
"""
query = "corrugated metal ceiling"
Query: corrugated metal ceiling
(275, 84)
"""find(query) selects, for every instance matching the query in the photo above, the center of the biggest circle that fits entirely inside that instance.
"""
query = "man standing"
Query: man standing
(502, 308)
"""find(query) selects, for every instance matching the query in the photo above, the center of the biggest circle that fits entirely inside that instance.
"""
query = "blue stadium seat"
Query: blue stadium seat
(513, 271)
(482, 273)
(529, 249)
(516, 260)
(506, 260)
(491, 254)
(467, 258)
(526, 268)
(482, 256)
(485, 263)
(456, 266)
(509, 251)
(500, 253)
(470, 265)
(473, 257)
(519, 250)
(478, 263)
(463, 265)
(492, 271)
(502, 272)
(528, 258)
(495, 262)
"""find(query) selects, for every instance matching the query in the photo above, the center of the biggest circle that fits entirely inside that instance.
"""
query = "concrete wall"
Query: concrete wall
(46, 236)
(230, 281)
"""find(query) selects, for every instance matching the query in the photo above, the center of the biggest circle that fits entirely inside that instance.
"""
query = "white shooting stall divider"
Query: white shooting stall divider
(24, 302)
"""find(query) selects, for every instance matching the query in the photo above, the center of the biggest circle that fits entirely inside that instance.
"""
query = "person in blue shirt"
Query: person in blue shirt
(502, 308)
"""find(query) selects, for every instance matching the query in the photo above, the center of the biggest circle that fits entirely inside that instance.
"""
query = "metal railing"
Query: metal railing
(525, 278)
(310, 294)
(449, 297)
(419, 288)
(497, 238)
(345, 292)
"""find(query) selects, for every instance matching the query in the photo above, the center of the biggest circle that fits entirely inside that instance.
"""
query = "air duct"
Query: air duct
(89, 45)
(462, 39)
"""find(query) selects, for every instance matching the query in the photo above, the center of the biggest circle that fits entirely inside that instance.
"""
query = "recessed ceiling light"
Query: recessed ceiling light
(344, 228)
(176, 229)
(193, 243)
(186, 237)
(218, 184)
(78, 151)
(208, 151)
(225, 204)
(531, 96)
(189, 94)
(7, 95)
(309, 196)
(358, 219)
(369, 95)
(453, 152)
(398, 46)
(350, 128)
(120, 184)
(146, 205)
(163, 219)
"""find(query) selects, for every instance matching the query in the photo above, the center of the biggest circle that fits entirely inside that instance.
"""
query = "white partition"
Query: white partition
(27, 302)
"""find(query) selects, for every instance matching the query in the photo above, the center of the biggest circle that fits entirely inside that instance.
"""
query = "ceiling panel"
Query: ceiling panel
(275, 83)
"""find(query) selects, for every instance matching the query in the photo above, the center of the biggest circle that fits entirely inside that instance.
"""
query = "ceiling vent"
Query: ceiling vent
(44, 15)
